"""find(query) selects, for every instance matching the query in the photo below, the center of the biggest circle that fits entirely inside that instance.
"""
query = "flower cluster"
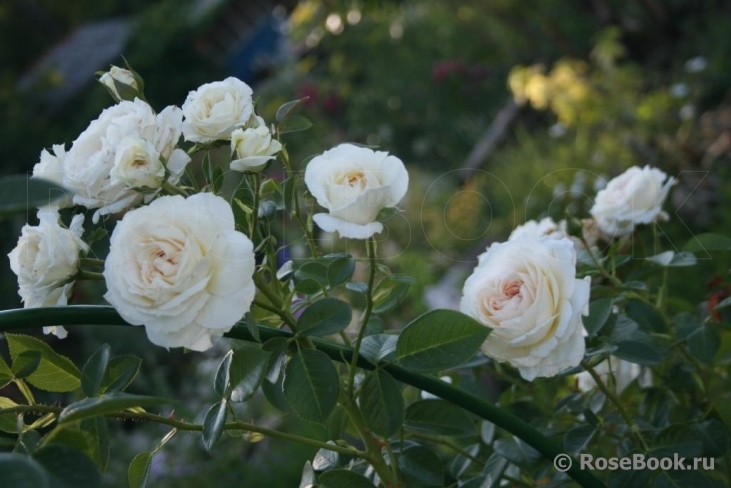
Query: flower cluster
(526, 289)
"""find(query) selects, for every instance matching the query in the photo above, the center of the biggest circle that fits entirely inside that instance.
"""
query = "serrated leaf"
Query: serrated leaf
(94, 370)
(251, 326)
(324, 317)
(599, 312)
(120, 373)
(438, 340)
(439, 417)
(714, 436)
(19, 471)
(287, 109)
(342, 478)
(422, 465)
(8, 421)
(340, 270)
(381, 403)
(107, 403)
(248, 367)
(99, 449)
(388, 294)
(703, 343)
(213, 424)
(379, 347)
(21, 194)
(26, 363)
(55, 373)
(578, 437)
(638, 347)
(295, 123)
(139, 470)
(67, 467)
(6, 374)
(311, 385)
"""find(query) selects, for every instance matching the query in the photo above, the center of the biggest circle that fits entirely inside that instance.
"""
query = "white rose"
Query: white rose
(526, 291)
(50, 167)
(535, 230)
(214, 110)
(121, 76)
(179, 268)
(634, 197)
(354, 184)
(137, 164)
(253, 148)
(89, 163)
(45, 260)
(623, 371)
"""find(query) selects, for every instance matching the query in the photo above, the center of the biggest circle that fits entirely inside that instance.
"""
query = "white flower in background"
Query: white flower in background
(214, 110)
(137, 164)
(354, 184)
(696, 64)
(253, 148)
(179, 267)
(46, 259)
(546, 227)
(624, 373)
(92, 159)
(121, 76)
(526, 291)
(634, 197)
(50, 167)
(425, 395)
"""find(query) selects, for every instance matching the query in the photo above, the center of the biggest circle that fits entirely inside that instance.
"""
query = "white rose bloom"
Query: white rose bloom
(354, 184)
(536, 229)
(526, 291)
(137, 164)
(50, 167)
(214, 110)
(624, 373)
(179, 268)
(93, 156)
(634, 197)
(253, 148)
(45, 260)
(120, 75)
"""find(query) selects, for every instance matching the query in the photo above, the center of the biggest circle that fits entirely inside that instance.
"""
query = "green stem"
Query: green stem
(450, 445)
(89, 275)
(297, 213)
(191, 427)
(171, 189)
(25, 391)
(91, 262)
(617, 403)
(371, 252)
(91, 315)
(276, 302)
(257, 189)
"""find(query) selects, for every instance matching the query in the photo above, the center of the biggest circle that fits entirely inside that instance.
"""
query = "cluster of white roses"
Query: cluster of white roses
(526, 289)
(178, 265)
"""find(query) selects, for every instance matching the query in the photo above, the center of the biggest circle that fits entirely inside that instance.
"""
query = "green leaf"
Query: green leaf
(6, 374)
(670, 259)
(139, 470)
(325, 459)
(382, 403)
(707, 242)
(683, 479)
(213, 424)
(313, 270)
(248, 368)
(251, 326)
(677, 439)
(599, 312)
(222, 383)
(19, 471)
(723, 304)
(493, 471)
(638, 347)
(342, 478)
(340, 270)
(120, 373)
(295, 123)
(379, 347)
(578, 437)
(207, 169)
(311, 385)
(714, 436)
(94, 370)
(67, 467)
(422, 465)
(324, 317)
(516, 451)
(439, 340)
(107, 403)
(387, 213)
(217, 179)
(308, 286)
(99, 448)
(703, 343)
(55, 373)
(357, 287)
(439, 417)
(26, 363)
(388, 294)
(20, 194)
(8, 421)
(308, 476)
(289, 193)
(629, 478)
(287, 109)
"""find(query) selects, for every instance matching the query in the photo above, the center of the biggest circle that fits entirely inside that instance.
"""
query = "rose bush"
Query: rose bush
(570, 339)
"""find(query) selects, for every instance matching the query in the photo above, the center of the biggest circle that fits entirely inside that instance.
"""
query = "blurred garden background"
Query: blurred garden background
(497, 107)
